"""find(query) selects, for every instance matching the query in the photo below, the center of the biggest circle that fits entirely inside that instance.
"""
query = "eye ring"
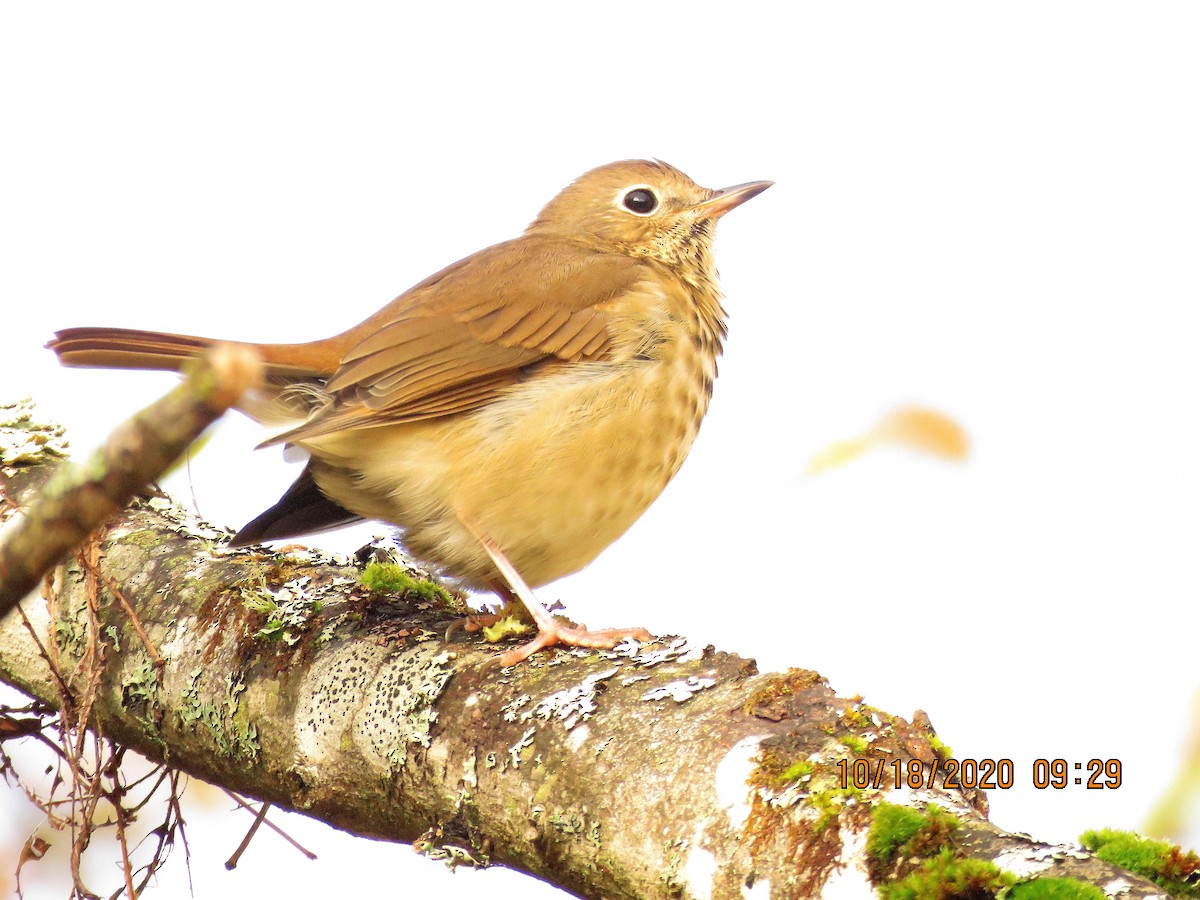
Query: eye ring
(641, 201)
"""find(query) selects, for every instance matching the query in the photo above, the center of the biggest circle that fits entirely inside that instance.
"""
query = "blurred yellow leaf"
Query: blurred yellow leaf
(1180, 802)
(915, 427)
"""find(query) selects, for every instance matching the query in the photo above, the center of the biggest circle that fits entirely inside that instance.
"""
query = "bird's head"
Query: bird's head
(643, 207)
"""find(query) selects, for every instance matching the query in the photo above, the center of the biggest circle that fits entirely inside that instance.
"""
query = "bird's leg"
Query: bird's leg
(550, 630)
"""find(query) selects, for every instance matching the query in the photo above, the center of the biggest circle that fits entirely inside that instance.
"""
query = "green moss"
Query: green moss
(945, 877)
(861, 716)
(855, 744)
(891, 827)
(779, 767)
(1168, 866)
(1055, 889)
(509, 625)
(796, 771)
(899, 831)
(829, 803)
(943, 750)
(389, 578)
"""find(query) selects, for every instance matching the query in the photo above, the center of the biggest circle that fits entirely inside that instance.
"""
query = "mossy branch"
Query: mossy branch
(660, 770)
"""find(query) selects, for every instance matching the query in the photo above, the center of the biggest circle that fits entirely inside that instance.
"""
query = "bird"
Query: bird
(514, 413)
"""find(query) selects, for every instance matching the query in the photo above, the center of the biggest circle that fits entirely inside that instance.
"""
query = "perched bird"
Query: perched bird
(517, 411)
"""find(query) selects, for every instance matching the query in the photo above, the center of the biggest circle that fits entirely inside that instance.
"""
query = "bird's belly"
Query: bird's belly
(552, 473)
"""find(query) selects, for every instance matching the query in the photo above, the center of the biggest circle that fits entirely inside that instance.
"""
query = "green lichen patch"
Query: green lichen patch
(900, 831)
(1171, 868)
(228, 724)
(1055, 889)
(70, 632)
(287, 611)
(139, 694)
(947, 877)
(282, 609)
(392, 578)
(452, 848)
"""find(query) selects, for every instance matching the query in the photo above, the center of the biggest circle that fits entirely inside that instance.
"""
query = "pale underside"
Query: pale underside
(554, 468)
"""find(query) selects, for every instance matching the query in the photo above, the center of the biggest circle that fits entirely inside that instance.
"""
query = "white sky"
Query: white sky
(991, 210)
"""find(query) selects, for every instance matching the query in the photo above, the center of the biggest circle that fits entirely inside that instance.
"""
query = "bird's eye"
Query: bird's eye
(641, 201)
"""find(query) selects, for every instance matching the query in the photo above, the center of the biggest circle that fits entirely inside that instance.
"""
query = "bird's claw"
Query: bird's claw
(574, 636)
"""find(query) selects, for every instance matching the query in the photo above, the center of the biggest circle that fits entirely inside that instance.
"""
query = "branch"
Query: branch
(660, 770)
(79, 499)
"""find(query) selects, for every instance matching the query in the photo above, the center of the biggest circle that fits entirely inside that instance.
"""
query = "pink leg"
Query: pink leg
(550, 630)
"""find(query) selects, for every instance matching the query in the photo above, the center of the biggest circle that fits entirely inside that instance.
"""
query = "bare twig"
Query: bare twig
(275, 828)
(232, 862)
(94, 571)
(126, 866)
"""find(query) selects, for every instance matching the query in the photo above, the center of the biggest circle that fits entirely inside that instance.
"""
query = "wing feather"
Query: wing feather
(463, 335)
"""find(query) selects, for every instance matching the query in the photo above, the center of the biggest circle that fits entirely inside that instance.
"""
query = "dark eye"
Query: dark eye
(641, 201)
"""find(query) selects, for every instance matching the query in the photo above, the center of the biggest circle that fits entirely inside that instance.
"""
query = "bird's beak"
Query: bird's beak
(724, 200)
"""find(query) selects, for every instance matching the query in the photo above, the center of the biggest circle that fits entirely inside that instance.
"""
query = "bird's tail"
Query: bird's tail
(125, 348)
(129, 348)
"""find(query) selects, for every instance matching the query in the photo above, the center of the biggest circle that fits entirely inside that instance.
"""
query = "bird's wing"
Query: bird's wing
(454, 341)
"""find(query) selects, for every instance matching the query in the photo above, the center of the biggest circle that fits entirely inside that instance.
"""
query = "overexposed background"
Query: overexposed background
(993, 210)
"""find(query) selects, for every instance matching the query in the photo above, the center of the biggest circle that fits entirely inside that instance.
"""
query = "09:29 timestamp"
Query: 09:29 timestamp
(986, 774)
(1059, 773)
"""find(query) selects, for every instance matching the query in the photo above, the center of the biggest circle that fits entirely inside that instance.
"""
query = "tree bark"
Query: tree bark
(660, 770)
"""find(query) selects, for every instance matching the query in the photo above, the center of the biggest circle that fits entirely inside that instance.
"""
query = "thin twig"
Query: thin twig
(259, 817)
(279, 831)
(126, 866)
(159, 662)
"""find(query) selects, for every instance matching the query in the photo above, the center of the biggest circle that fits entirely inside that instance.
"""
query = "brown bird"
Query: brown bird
(514, 413)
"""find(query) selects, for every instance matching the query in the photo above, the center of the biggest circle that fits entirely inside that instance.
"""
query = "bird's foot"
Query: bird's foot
(559, 632)
(551, 630)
